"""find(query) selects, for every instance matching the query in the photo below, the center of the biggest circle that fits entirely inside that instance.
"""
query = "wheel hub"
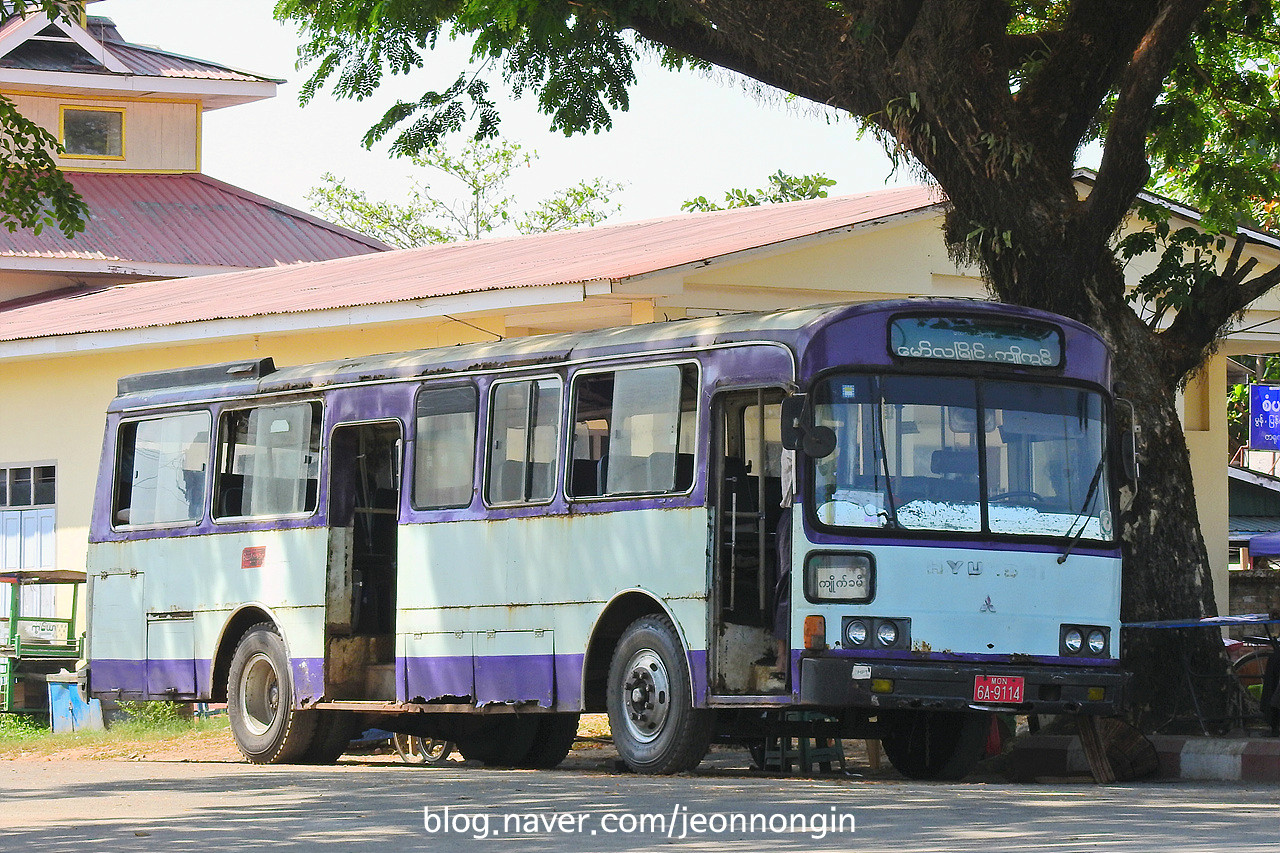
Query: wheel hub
(647, 695)
(259, 694)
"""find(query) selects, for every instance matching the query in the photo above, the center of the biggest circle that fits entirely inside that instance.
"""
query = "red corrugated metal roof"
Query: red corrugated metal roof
(186, 219)
(153, 62)
(593, 254)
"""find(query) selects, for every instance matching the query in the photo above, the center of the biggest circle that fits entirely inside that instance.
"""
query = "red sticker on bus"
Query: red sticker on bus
(253, 557)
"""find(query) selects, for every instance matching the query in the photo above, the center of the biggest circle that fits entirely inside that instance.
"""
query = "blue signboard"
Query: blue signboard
(1264, 417)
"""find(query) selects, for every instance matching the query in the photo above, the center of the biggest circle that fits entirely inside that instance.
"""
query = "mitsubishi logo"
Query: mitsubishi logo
(987, 606)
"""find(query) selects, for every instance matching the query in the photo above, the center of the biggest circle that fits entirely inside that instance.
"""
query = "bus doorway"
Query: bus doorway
(749, 655)
(364, 508)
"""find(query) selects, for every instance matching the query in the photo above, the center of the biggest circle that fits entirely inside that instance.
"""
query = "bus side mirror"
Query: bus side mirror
(793, 421)
(1129, 444)
(817, 442)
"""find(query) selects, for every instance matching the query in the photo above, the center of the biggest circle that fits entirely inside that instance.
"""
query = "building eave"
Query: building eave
(203, 331)
(212, 94)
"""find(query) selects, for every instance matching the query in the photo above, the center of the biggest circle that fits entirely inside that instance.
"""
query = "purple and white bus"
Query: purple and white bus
(898, 515)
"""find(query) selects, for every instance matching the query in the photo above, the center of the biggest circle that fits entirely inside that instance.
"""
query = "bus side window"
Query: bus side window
(160, 473)
(633, 431)
(524, 435)
(444, 447)
(268, 461)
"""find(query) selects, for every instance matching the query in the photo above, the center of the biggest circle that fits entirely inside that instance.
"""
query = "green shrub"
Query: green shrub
(152, 715)
(21, 726)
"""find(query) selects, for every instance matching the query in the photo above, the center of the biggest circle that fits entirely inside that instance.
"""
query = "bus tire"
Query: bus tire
(655, 727)
(333, 733)
(504, 743)
(935, 744)
(552, 742)
(266, 726)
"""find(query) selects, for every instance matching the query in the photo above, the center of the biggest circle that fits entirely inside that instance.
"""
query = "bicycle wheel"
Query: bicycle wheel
(419, 750)
(1249, 670)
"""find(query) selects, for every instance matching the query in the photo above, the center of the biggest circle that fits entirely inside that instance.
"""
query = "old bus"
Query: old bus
(897, 515)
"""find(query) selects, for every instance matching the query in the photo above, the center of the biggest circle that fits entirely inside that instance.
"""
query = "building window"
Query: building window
(96, 132)
(27, 528)
(28, 486)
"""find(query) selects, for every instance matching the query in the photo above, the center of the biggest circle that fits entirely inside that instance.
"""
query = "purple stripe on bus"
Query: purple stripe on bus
(1052, 660)
(129, 676)
(172, 677)
(515, 678)
(973, 541)
(308, 679)
(433, 678)
(698, 674)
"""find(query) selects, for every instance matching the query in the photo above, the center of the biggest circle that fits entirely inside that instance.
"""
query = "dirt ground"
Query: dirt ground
(212, 743)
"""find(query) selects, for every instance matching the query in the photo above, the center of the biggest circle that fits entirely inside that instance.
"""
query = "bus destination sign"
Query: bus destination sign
(997, 341)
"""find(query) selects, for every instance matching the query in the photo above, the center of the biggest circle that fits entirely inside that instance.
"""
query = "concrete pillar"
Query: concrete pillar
(1204, 420)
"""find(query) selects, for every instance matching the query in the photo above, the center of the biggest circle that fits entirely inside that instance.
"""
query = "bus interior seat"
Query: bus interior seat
(230, 503)
(510, 482)
(684, 471)
(583, 482)
(955, 461)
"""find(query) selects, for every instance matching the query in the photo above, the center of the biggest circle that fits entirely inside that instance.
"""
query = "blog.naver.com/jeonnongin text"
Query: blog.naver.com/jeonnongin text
(677, 823)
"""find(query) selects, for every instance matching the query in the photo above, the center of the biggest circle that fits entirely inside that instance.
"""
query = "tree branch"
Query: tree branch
(1124, 170)
(1211, 307)
(1089, 54)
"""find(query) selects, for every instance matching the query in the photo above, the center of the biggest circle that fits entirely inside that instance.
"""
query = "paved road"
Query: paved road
(75, 806)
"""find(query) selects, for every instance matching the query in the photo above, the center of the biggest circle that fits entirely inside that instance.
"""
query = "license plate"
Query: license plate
(1001, 689)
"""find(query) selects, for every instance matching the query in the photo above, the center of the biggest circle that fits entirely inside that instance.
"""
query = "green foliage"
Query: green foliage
(1187, 261)
(20, 727)
(780, 189)
(573, 57)
(1215, 136)
(151, 716)
(33, 193)
(480, 172)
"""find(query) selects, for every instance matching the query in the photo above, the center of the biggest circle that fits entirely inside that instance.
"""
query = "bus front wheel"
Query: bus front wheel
(655, 727)
(934, 744)
(266, 726)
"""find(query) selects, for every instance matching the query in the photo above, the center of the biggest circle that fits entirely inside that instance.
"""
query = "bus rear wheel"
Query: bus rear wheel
(655, 727)
(266, 726)
(503, 743)
(552, 742)
(934, 744)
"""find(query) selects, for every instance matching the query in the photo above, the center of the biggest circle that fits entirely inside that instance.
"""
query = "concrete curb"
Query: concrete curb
(1199, 758)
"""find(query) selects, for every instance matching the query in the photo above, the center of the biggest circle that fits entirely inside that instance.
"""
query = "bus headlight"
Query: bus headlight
(1087, 640)
(887, 634)
(864, 632)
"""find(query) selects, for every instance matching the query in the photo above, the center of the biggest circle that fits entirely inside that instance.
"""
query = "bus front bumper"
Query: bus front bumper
(950, 685)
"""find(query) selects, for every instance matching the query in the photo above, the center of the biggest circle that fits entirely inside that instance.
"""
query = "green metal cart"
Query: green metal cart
(33, 647)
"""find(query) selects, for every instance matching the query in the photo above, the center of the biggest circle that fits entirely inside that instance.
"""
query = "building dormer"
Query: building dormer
(115, 106)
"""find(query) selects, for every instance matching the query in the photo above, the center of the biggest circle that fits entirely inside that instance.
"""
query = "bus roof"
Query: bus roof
(791, 327)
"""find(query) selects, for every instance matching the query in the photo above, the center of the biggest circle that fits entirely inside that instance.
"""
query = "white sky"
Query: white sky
(684, 135)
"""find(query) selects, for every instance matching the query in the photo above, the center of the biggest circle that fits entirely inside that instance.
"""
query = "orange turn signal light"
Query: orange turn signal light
(815, 633)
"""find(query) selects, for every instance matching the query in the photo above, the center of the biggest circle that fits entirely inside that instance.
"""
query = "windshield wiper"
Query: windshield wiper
(891, 510)
(1088, 499)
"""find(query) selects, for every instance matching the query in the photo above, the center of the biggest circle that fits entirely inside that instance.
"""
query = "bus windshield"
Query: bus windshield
(962, 455)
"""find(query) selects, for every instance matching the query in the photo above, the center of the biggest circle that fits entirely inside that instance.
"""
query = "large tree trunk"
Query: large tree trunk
(1167, 573)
